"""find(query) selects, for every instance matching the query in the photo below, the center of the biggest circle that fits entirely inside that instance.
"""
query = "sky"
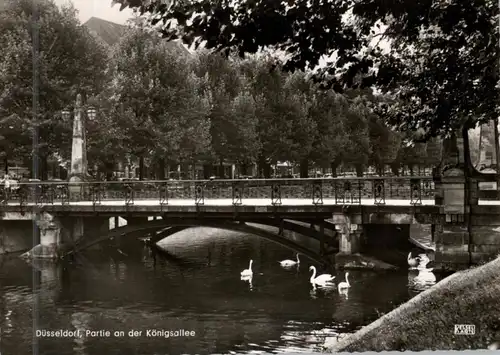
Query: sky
(98, 8)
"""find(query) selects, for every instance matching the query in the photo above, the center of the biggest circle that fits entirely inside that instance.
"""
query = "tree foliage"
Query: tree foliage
(442, 64)
(164, 109)
(68, 60)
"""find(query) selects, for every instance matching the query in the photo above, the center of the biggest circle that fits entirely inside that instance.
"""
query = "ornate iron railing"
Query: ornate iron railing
(342, 191)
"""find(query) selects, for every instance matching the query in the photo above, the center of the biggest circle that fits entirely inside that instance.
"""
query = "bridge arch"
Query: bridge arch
(161, 229)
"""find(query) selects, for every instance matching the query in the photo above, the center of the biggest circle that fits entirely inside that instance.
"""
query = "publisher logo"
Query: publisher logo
(465, 329)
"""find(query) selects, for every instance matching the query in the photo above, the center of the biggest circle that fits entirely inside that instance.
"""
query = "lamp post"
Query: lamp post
(78, 170)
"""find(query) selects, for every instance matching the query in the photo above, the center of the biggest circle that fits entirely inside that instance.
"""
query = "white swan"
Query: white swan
(344, 285)
(289, 262)
(322, 279)
(413, 262)
(248, 272)
(423, 261)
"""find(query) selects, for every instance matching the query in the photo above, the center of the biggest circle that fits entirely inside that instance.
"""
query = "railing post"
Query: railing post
(275, 194)
(129, 194)
(95, 194)
(415, 192)
(199, 196)
(64, 194)
(163, 192)
(237, 192)
(317, 192)
(379, 191)
(3, 195)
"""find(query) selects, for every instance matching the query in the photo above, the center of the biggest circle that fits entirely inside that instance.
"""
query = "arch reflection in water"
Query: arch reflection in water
(212, 301)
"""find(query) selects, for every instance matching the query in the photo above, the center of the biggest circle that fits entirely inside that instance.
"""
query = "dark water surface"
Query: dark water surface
(278, 312)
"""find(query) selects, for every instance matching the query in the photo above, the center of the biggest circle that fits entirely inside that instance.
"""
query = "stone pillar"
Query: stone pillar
(78, 171)
(50, 238)
(451, 231)
(58, 235)
(488, 149)
(350, 240)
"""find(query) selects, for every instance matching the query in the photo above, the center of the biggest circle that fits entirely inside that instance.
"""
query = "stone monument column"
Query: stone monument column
(78, 171)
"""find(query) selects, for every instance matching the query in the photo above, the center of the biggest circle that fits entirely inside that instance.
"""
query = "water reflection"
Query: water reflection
(284, 312)
(81, 323)
(344, 292)
(248, 278)
(421, 279)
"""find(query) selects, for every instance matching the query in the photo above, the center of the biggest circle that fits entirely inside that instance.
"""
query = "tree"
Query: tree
(442, 65)
(358, 150)
(221, 85)
(303, 129)
(328, 110)
(68, 61)
(274, 110)
(384, 143)
(166, 116)
(244, 144)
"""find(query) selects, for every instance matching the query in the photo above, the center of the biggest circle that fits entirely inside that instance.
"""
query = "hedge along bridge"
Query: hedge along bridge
(78, 213)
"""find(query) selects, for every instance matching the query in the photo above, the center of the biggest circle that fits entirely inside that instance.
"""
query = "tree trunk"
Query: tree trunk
(43, 167)
(261, 164)
(161, 169)
(108, 170)
(54, 170)
(395, 168)
(244, 169)
(141, 168)
(359, 170)
(185, 170)
(221, 168)
(304, 169)
(6, 162)
(207, 171)
(263, 167)
(334, 165)
(267, 171)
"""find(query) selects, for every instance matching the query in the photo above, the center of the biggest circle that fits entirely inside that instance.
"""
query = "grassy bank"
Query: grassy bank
(427, 321)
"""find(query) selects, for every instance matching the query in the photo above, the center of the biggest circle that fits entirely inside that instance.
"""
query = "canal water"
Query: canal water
(197, 296)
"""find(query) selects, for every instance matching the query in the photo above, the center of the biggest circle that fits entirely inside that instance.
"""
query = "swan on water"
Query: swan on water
(248, 272)
(322, 279)
(289, 262)
(413, 262)
(423, 260)
(344, 284)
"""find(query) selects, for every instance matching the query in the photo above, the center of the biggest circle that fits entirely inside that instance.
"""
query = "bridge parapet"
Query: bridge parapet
(367, 190)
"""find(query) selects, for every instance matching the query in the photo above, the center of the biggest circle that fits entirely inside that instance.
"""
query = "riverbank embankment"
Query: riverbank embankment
(427, 321)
